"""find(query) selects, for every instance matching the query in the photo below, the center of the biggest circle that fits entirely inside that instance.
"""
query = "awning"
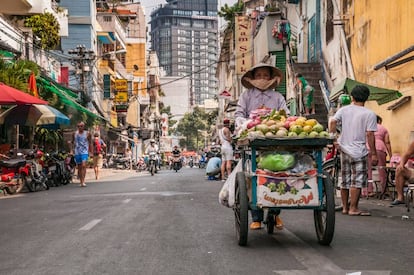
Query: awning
(106, 37)
(67, 97)
(380, 95)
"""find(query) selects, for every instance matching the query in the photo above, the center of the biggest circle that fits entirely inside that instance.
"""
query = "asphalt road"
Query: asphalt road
(172, 223)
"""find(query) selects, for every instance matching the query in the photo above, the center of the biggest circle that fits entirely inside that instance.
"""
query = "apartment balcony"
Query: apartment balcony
(110, 22)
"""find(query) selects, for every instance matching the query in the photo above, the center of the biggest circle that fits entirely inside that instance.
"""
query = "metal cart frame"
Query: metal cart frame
(324, 213)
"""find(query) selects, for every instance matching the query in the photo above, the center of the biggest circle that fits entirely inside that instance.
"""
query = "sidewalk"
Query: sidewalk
(383, 208)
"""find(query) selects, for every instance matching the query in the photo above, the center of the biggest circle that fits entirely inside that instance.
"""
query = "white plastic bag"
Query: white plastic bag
(227, 192)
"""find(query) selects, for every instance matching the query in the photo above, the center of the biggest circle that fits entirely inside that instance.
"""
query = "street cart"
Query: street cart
(259, 189)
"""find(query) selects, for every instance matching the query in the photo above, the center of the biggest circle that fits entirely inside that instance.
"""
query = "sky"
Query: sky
(150, 5)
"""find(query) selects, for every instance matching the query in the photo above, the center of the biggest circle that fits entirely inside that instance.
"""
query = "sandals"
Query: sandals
(278, 223)
(397, 202)
(255, 225)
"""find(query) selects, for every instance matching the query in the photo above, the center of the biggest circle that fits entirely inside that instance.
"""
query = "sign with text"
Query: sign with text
(243, 42)
(286, 191)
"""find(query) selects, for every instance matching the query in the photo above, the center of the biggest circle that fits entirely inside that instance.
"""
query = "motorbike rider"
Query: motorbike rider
(153, 148)
(176, 154)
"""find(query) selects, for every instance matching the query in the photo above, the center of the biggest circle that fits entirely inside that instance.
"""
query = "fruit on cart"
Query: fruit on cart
(277, 162)
(262, 128)
(296, 128)
(318, 128)
(313, 134)
(324, 134)
(269, 123)
(282, 132)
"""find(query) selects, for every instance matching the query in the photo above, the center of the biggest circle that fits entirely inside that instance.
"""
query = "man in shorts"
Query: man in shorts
(358, 127)
(81, 147)
(403, 174)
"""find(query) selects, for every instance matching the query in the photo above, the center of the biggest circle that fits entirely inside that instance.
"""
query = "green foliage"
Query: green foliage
(228, 13)
(191, 123)
(16, 74)
(46, 28)
(48, 138)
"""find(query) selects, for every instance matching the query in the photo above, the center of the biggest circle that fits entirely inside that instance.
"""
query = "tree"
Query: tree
(228, 13)
(16, 74)
(191, 123)
(46, 28)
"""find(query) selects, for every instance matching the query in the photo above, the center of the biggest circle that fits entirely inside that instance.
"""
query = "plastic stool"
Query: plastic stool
(211, 178)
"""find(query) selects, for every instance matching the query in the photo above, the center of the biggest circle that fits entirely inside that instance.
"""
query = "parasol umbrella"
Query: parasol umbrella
(12, 96)
(33, 115)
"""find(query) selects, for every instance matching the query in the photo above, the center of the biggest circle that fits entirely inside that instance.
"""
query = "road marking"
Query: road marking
(143, 189)
(90, 225)
(126, 201)
(162, 193)
(314, 262)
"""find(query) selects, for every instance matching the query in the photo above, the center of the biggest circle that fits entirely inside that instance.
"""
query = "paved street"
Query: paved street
(172, 223)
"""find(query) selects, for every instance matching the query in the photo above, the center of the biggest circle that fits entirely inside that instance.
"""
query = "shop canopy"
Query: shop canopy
(67, 97)
(380, 95)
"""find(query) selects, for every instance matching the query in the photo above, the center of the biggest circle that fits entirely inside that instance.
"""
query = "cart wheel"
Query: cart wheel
(270, 223)
(241, 209)
(332, 168)
(325, 216)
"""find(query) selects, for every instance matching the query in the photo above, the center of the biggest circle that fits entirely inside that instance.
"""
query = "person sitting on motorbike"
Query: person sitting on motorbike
(152, 148)
(176, 153)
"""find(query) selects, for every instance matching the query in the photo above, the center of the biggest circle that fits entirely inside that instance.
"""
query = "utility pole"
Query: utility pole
(82, 59)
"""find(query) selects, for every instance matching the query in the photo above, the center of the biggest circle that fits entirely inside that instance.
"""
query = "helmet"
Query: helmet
(344, 100)
(152, 140)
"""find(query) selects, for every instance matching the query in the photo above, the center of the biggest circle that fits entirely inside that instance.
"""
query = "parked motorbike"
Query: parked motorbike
(152, 163)
(58, 168)
(191, 162)
(36, 180)
(116, 162)
(13, 174)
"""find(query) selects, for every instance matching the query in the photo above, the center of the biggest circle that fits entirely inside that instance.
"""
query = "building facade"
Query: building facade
(184, 34)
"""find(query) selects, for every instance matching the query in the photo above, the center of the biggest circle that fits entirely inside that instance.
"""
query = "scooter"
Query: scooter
(191, 163)
(177, 163)
(13, 174)
(36, 179)
(152, 163)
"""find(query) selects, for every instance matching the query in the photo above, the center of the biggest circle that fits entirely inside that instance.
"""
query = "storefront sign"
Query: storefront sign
(243, 43)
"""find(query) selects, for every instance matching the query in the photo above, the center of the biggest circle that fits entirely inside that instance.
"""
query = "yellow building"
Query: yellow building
(381, 44)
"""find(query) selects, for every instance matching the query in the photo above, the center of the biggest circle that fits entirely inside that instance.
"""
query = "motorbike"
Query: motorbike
(36, 180)
(14, 174)
(191, 163)
(176, 163)
(141, 166)
(152, 163)
(202, 163)
(117, 162)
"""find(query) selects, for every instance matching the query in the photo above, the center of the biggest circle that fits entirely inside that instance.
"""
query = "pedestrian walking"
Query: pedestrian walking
(307, 92)
(98, 150)
(81, 147)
